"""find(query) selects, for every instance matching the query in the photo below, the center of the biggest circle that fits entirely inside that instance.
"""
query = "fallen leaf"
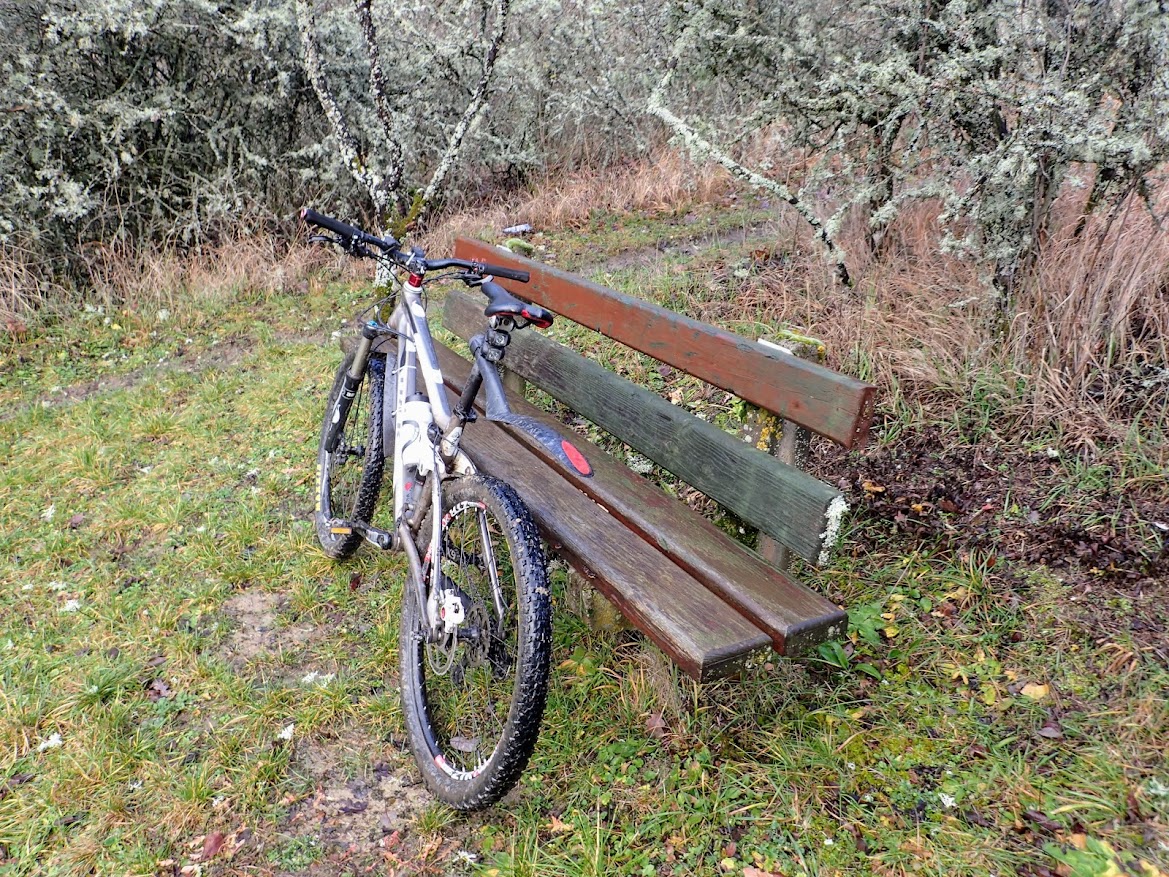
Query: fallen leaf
(1051, 730)
(1042, 820)
(1035, 691)
(556, 826)
(1133, 811)
(76, 521)
(873, 487)
(13, 781)
(974, 817)
(655, 725)
(355, 581)
(755, 872)
(158, 690)
(212, 844)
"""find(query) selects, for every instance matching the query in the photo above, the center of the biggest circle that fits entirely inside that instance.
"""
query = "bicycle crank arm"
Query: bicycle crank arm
(376, 537)
(555, 445)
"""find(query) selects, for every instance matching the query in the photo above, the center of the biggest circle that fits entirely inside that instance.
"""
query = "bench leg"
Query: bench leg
(513, 382)
(793, 447)
(593, 607)
(786, 441)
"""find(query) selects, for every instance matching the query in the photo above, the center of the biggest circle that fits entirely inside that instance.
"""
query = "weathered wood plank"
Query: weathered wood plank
(829, 404)
(796, 618)
(701, 633)
(787, 504)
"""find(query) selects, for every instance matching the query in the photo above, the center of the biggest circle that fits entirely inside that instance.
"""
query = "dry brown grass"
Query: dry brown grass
(665, 183)
(22, 290)
(125, 278)
(1095, 325)
(1087, 350)
(150, 279)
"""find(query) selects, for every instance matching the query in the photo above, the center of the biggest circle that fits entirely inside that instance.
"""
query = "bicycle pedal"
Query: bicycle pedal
(379, 538)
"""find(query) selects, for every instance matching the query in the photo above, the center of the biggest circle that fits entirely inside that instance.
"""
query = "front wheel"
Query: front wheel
(473, 701)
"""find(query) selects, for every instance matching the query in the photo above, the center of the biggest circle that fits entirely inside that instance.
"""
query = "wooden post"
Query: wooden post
(593, 607)
(783, 439)
(513, 382)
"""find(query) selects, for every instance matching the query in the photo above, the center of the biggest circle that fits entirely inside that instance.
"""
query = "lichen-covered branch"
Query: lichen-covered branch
(703, 150)
(474, 108)
(377, 86)
(369, 179)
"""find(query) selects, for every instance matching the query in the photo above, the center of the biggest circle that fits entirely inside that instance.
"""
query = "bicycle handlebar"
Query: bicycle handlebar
(390, 248)
(479, 268)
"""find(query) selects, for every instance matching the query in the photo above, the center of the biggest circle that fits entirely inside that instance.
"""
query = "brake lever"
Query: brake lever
(323, 239)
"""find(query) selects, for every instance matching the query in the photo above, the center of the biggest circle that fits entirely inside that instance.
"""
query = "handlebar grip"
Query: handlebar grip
(509, 273)
(344, 229)
(334, 225)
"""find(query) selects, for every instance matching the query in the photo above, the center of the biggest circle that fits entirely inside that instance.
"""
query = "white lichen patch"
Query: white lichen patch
(833, 518)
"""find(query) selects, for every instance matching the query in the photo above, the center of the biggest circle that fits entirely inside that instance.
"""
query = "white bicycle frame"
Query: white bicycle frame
(413, 440)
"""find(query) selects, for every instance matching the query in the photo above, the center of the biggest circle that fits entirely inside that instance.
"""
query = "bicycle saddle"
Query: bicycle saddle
(502, 302)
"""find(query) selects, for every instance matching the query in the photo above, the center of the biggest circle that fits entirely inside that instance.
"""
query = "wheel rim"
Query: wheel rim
(469, 677)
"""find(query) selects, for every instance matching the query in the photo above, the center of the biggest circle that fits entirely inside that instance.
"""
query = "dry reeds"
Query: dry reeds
(158, 277)
(1087, 350)
(22, 290)
(1095, 324)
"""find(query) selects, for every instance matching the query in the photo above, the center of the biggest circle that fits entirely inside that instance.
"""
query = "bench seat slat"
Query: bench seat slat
(795, 617)
(829, 404)
(781, 500)
(704, 636)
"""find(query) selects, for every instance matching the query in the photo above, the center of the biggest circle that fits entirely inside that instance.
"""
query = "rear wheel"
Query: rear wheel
(350, 476)
(474, 700)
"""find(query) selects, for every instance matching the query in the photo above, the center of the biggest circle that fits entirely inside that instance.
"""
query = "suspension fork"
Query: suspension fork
(349, 386)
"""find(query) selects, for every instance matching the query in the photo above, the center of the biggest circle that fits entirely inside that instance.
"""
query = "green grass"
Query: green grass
(148, 528)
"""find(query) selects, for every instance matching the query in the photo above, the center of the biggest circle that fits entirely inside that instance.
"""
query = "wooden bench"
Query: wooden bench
(705, 599)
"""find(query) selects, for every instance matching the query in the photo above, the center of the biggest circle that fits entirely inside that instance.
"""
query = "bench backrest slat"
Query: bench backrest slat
(829, 404)
(782, 501)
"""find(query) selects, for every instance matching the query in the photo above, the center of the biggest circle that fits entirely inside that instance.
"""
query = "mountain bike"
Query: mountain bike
(476, 623)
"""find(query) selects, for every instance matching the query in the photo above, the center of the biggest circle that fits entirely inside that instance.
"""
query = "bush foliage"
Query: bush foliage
(124, 120)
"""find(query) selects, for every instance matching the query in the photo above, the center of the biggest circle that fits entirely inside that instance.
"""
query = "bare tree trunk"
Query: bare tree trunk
(377, 87)
(366, 177)
(385, 189)
(470, 114)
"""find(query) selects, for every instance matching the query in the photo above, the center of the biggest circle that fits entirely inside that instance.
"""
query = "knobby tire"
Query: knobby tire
(473, 706)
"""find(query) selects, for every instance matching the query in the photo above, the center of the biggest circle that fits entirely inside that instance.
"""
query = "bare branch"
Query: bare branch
(474, 107)
(373, 183)
(377, 85)
(702, 149)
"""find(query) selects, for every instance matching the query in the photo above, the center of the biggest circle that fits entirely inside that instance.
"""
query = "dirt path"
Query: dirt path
(222, 355)
(649, 257)
(362, 812)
